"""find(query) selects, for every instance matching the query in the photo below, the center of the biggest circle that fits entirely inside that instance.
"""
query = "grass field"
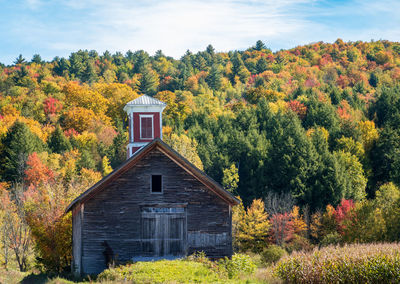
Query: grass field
(357, 263)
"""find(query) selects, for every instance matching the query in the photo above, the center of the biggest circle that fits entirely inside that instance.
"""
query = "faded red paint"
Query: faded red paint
(132, 151)
(136, 126)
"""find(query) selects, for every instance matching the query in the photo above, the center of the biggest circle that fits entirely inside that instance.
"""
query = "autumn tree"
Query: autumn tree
(298, 108)
(230, 178)
(118, 95)
(387, 201)
(79, 118)
(15, 233)
(52, 106)
(51, 228)
(36, 171)
(281, 228)
(84, 97)
(252, 228)
(105, 166)
(176, 110)
(186, 147)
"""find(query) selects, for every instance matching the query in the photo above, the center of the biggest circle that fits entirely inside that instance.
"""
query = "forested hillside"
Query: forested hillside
(319, 122)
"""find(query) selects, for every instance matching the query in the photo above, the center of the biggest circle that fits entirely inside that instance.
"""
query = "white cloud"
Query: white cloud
(177, 25)
(33, 4)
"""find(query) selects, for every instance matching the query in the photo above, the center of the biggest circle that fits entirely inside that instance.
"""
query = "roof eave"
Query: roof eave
(184, 163)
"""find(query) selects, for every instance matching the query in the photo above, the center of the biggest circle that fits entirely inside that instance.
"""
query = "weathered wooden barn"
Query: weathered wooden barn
(156, 204)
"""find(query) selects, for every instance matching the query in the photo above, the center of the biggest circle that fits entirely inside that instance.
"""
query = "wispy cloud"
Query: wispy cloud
(176, 25)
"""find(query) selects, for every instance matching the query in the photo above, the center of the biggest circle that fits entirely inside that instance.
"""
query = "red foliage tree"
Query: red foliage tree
(297, 107)
(70, 132)
(52, 106)
(282, 227)
(37, 172)
(343, 213)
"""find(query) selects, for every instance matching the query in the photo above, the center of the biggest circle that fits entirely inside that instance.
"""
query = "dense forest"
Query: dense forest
(316, 124)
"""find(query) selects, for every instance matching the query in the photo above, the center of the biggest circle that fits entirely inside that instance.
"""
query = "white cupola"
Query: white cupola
(145, 122)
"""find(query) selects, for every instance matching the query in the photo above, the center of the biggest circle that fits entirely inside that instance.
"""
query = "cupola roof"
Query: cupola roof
(146, 100)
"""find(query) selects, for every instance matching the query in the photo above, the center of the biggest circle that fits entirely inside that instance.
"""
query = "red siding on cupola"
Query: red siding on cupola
(136, 126)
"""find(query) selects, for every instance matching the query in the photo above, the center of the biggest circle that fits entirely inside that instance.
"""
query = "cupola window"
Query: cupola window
(146, 127)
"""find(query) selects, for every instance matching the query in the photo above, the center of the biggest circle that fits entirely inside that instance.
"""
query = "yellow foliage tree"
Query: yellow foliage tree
(230, 179)
(369, 133)
(82, 119)
(105, 166)
(176, 109)
(88, 177)
(252, 227)
(86, 140)
(118, 95)
(82, 96)
(186, 147)
(299, 226)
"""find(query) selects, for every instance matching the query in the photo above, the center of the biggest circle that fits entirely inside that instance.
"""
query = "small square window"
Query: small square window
(156, 183)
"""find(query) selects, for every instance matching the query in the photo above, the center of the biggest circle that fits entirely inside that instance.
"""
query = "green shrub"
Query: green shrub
(272, 254)
(331, 239)
(256, 258)
(240, 264)
(373, 263)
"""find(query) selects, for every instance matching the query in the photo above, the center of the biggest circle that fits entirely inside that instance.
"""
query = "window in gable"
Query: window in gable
(156, 183)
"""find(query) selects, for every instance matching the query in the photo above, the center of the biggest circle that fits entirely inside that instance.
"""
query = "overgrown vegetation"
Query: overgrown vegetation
(196, 268)
(372, 263)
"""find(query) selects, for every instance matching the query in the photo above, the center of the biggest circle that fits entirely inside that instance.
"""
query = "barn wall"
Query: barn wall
(114, 214)
(77, 215)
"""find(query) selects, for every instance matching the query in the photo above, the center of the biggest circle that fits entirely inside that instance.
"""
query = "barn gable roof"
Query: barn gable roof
(170, 153)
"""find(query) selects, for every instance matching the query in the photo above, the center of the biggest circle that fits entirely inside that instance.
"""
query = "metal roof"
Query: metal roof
(146, 100)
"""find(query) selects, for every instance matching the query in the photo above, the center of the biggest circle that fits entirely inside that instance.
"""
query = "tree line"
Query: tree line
(317, 123)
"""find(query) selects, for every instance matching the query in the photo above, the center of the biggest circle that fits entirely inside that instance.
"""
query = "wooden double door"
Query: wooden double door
(163, 231)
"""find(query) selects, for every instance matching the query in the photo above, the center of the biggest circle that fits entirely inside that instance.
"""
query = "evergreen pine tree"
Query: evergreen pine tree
(86, 161)
(214, 78)
(118, 148)
(57, 142)
(149, 81)
(260, 45)
(262, 65)
(37, 59)
(18, 144)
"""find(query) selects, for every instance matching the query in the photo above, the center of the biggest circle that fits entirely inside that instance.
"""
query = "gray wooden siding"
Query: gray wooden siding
(77, 215)
(115, 214)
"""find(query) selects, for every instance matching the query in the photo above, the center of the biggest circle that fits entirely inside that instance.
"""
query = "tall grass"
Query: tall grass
(369, 263)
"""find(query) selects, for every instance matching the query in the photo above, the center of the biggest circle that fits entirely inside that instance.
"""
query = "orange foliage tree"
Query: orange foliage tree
(36, 171)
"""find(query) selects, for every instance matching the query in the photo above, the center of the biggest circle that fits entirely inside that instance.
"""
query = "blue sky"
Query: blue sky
(57, 28)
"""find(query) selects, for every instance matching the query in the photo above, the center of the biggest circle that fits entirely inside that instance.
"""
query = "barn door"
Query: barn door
(163, 231)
